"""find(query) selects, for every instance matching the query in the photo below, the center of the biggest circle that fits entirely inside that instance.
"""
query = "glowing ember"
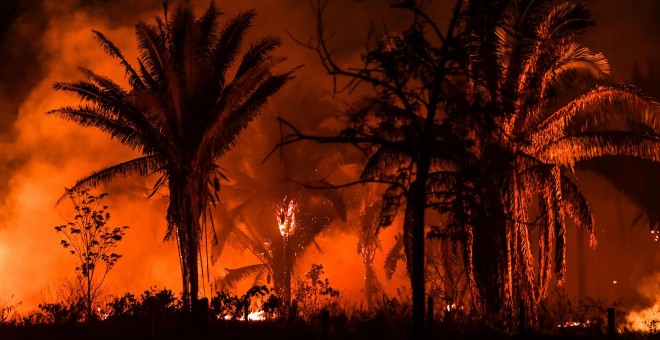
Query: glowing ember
(286, 217)
(569, 324)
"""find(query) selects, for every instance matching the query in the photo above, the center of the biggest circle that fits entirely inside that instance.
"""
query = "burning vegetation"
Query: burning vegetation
(449, 155)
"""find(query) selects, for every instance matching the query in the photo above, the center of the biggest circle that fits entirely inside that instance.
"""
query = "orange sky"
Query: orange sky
(46, 154)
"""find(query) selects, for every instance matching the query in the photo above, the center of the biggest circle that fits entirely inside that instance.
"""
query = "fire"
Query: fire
(286, 217)
(647, 320)
(252, 316)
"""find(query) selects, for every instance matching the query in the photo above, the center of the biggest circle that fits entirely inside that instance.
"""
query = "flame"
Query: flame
(647, 320)
(286, 217)
(253, 316)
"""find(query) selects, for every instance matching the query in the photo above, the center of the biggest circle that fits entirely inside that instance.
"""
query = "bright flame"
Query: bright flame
(103, 315)
(253, 316)
(647, 320)
(286, 217)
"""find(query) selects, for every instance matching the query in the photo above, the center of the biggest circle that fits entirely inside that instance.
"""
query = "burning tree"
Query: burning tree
(277, 243)
(89, 239)
(183, 112)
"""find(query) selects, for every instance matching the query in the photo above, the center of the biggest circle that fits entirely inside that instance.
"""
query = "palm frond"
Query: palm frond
(603, 103)
(569, 150)
(151, 45)
(565, 20)
(578, 208)
(115, 52)
(384, 160)
(394, 255)
(141, 166)
(257, 53)
(236, 275)
(229, 42)
(95, 117)
(573, 63)
(222, 134)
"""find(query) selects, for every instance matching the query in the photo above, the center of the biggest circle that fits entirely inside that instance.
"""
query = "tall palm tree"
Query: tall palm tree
(188, 101)
(531, 107)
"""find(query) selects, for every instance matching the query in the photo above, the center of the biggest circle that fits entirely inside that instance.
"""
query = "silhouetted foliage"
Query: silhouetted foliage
(226, 306)
(89, 238)
(314, 293)
(60, 313)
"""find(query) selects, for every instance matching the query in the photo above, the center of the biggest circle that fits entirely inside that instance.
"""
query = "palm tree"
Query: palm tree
(277, 238)
(184, 111)
(531, 107)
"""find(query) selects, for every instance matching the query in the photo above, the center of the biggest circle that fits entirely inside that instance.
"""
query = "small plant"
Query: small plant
(314, 293)
(8, 313)
(89, 239)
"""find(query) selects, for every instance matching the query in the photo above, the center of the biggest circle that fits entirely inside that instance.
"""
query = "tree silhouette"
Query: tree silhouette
(532, 104)
(184, 111)
(89, 239)
(398, 126)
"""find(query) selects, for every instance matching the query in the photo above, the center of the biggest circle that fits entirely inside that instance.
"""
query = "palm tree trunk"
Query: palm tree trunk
(286, 285)
(282, 274)
(490, 256)
(185, 275)
(369, 285)
(193, 263)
